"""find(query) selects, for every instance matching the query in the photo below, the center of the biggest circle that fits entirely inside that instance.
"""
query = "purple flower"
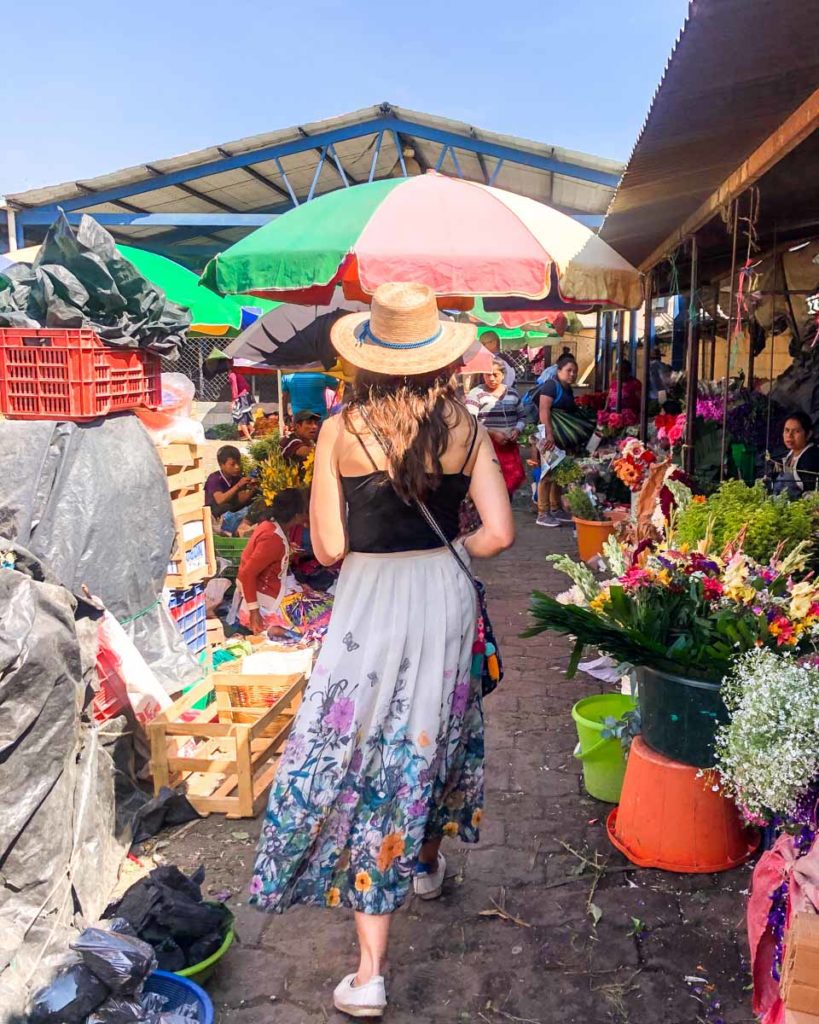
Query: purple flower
(255, 886)
(348, 796)
(460, 698)
(418, 809)
(356, 760)
(340, 716)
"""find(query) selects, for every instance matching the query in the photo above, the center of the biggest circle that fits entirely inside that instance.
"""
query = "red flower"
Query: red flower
(712, 588)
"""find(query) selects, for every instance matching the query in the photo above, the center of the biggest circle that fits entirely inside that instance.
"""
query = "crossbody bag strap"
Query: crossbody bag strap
(430, 519)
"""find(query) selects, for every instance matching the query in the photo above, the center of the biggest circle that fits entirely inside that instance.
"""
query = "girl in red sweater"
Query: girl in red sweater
(272, 600)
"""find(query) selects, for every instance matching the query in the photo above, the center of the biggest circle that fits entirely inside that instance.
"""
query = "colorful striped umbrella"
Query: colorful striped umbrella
(461, 238)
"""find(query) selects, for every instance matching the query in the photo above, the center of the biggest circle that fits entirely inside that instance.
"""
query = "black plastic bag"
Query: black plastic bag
(70, 997)
(120, 961)
(118, 1010)
(170, 807)
(170, 956)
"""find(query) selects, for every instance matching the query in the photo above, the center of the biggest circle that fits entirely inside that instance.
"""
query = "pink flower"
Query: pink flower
(255, 886)
(340, 716)
(712, 589)
(636, 577)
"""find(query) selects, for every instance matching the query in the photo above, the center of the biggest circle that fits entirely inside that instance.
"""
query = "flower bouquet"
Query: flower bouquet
(632, 466)
(275, 472)
(612, 424)
(683, 611)
(768, 755)
(594, 400)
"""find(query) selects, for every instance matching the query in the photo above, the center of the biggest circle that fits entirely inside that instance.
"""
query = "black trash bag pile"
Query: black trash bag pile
(166, 909)
(82, 280)
(106, 985)
(108, 978)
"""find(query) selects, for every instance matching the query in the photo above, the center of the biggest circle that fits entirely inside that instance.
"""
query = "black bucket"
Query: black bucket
(680, 716)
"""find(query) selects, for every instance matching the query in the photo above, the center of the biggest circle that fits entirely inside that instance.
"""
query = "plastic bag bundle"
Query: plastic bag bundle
(122, 962)
(73, 994)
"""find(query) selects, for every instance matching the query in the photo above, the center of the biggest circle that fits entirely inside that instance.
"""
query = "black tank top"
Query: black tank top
(380, 522)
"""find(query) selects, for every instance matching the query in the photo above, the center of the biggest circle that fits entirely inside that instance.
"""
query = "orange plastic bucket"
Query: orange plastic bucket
(591, 536)
(671, 817)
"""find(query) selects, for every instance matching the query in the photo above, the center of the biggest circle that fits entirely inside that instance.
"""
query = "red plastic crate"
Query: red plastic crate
(60, 374)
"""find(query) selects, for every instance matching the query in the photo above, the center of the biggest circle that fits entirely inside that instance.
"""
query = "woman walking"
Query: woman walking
(498, 408)
(386, 753)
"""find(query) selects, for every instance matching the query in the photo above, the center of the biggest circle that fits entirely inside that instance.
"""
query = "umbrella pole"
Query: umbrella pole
(648, 337)
(692, 366)
(281, 401)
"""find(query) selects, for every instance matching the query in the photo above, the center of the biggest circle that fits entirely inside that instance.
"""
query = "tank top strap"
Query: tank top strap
(367, 452)
(472, 440)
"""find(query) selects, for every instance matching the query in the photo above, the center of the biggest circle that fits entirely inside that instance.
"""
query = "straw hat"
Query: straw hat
(401, 334)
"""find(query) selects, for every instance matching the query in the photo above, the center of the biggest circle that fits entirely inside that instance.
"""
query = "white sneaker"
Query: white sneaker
(368, 1000)
(428, 885)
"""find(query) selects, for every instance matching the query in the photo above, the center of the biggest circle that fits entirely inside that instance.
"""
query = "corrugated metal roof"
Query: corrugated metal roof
(738, 70)
(244, 192)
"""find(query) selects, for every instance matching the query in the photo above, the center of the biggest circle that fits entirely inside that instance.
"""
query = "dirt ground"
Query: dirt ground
(542, 923)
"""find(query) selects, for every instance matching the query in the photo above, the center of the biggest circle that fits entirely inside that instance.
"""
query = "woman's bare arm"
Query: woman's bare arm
(545, 410)
(491, 498)
(328, 519)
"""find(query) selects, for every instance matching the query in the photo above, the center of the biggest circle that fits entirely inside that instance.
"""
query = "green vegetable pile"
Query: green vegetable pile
(734, 506)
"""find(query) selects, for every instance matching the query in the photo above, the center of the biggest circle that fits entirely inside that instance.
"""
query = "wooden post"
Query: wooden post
(692, 364)
(648, 334)
(281, 401)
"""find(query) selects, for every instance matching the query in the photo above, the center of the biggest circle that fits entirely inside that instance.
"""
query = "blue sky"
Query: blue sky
(92, 86)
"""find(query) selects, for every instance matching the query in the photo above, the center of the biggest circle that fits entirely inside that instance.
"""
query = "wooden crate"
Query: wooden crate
(800, 974)
(180, 575)
(215, 633)
(185, 473)
(227, 757)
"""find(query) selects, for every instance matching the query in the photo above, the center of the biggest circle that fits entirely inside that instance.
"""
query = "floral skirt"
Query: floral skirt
(386, 751)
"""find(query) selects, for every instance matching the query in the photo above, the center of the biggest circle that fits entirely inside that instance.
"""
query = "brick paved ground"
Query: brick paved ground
(451, 964)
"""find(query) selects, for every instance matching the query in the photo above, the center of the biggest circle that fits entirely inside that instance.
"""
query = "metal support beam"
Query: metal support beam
(494, 176)
(597, 330)
(317, 175)
(376, 153)
(794, 130)
(621, 354)
(46, 216)
(648, 338)
(607, 333)
(442, 156)
(454, 156)
(258, 176)
(286, 181)
(15, 230)
(400, 151)
(692, 365)
(419, 157)
(300, 145)
(339, 166)
(183, 187)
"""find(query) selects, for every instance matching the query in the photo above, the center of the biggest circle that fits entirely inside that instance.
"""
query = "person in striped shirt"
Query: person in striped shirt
(499, 408)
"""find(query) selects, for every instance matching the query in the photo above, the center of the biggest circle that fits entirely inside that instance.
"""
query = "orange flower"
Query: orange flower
(698, 499)
(451, 828)
(391, 847)
(423, 739)
(333, 897)
(477, 818)
(363, 882)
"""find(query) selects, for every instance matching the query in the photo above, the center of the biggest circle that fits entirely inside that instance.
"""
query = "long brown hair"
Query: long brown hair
(414, 417)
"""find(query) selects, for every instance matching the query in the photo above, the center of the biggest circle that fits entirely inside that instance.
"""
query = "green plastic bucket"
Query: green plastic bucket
(604, 762)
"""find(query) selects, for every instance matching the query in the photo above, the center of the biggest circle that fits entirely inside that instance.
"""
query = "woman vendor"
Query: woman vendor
(498, 407)
(267, 594)
(556, 394)
(800, 466)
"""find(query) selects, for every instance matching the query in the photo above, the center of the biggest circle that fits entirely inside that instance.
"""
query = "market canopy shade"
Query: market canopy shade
(461, 238)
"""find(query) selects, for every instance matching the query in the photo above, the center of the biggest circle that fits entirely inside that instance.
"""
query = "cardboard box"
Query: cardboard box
(800, 973)
(795, 1017)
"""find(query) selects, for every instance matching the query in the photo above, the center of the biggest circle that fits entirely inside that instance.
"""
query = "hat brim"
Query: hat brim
(348, 339)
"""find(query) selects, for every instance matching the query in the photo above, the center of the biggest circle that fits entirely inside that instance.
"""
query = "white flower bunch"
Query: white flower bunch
(768, 754)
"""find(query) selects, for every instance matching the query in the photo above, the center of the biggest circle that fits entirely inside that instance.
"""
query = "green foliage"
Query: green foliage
(568, 472)
(581, 506)
(222, 432)
(261, 450)
(769, 520)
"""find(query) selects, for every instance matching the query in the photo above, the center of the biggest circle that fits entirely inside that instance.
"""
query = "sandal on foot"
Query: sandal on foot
(368, 1000)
